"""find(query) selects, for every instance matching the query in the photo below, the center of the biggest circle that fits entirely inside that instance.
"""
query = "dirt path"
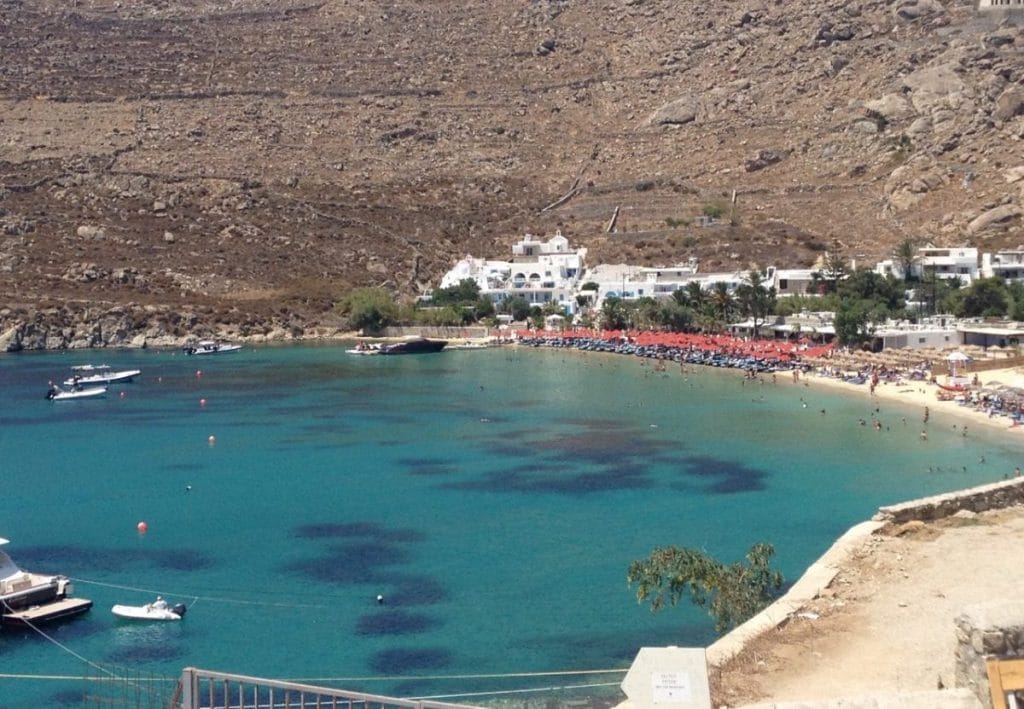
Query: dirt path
(886, 622)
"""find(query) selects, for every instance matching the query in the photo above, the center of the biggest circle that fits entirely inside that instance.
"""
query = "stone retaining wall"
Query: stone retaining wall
(444, 332)
(984, 632)
(1005, 493)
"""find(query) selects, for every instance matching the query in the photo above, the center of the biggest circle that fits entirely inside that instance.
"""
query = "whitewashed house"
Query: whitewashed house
(947, 263)
(539, 271)
(789, 281)
(1007, 264)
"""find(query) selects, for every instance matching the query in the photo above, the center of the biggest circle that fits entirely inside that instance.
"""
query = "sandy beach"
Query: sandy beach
(886, 623)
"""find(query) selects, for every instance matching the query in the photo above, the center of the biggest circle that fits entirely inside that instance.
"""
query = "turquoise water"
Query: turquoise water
(493, 497)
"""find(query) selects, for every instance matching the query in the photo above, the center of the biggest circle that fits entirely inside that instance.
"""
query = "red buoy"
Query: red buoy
(142, 527)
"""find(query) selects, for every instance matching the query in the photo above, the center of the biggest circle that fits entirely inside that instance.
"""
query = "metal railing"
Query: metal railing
(205, 689)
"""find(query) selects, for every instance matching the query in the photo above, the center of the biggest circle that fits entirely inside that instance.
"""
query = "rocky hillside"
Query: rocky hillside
(177, 166)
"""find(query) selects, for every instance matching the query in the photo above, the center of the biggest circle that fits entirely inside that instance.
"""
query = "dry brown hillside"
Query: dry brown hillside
(255, 158)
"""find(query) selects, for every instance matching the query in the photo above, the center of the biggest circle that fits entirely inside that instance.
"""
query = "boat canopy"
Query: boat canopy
(7, 566)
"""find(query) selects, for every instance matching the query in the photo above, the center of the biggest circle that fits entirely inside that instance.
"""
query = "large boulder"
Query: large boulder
(1001, 217)
(919, 9)
(892, 107)
(1009, 104)
(679, 112)
(935, 87)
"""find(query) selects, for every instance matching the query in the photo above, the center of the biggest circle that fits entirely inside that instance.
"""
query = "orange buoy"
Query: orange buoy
(142, 527)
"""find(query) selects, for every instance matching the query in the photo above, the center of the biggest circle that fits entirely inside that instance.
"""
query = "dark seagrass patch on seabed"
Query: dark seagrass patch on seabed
(66, 698)
(156, 651)
(427, 466)
(723, 476)
(373, 530)
(362, 562)
(603, 456)
(608, 650)
(74, 560)
(402, 660)
(395, 622)
(415, 590)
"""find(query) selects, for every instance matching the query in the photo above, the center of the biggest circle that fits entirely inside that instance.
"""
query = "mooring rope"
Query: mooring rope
(196, 598)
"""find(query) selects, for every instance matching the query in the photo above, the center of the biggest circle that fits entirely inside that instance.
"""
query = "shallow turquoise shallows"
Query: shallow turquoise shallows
(494, 498)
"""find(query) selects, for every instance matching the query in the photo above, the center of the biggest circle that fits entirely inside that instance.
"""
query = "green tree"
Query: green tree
(731, 593)
(986, 297)
(833, 270)
(755, 300)
(370, 310)
(1015, 295)
(466, 291)
(863, 284)
(646, 311)
(517, 307)
(614, 315)
(674, 316)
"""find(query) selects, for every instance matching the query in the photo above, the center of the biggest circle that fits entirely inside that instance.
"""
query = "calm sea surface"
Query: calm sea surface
(494, 498)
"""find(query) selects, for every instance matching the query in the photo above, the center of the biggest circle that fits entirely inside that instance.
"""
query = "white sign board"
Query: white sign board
(669, 678)
(670, 687)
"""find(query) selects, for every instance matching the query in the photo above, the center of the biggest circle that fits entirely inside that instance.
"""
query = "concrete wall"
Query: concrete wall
(1005, 493)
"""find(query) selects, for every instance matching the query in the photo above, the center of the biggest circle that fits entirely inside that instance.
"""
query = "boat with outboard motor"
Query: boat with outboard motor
(365, 348)
(157, 610)
(211, 347)
(85, 374)
(56, 393)
(28, 598)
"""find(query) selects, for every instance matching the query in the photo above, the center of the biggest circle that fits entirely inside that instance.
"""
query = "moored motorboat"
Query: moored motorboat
(86, 374)
(413, 345)
(211, 347)
(55, 393)
(157, 610)
(28, 598)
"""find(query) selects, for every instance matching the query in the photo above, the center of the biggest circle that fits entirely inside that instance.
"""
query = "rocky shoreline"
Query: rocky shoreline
(75, 326)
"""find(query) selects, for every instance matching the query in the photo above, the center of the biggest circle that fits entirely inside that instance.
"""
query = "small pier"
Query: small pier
(64, 608)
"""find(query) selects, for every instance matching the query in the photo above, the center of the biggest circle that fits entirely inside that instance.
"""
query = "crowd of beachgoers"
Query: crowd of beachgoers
(712, 350)
(917, 368)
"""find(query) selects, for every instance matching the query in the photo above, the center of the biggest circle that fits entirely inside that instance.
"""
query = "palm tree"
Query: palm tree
(905, 254)
(721, 301)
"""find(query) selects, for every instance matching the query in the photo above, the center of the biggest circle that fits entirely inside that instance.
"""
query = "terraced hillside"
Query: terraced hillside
(247, 162)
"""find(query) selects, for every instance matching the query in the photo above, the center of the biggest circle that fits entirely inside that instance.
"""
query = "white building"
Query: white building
(985, 5)
(1007, 264)
(789, 281)
(945, 263)
(539, 271)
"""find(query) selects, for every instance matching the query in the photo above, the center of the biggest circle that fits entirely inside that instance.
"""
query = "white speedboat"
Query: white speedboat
(27, 598)
(85, 374)
(157, 610)
(210, 347)
(55, 393)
